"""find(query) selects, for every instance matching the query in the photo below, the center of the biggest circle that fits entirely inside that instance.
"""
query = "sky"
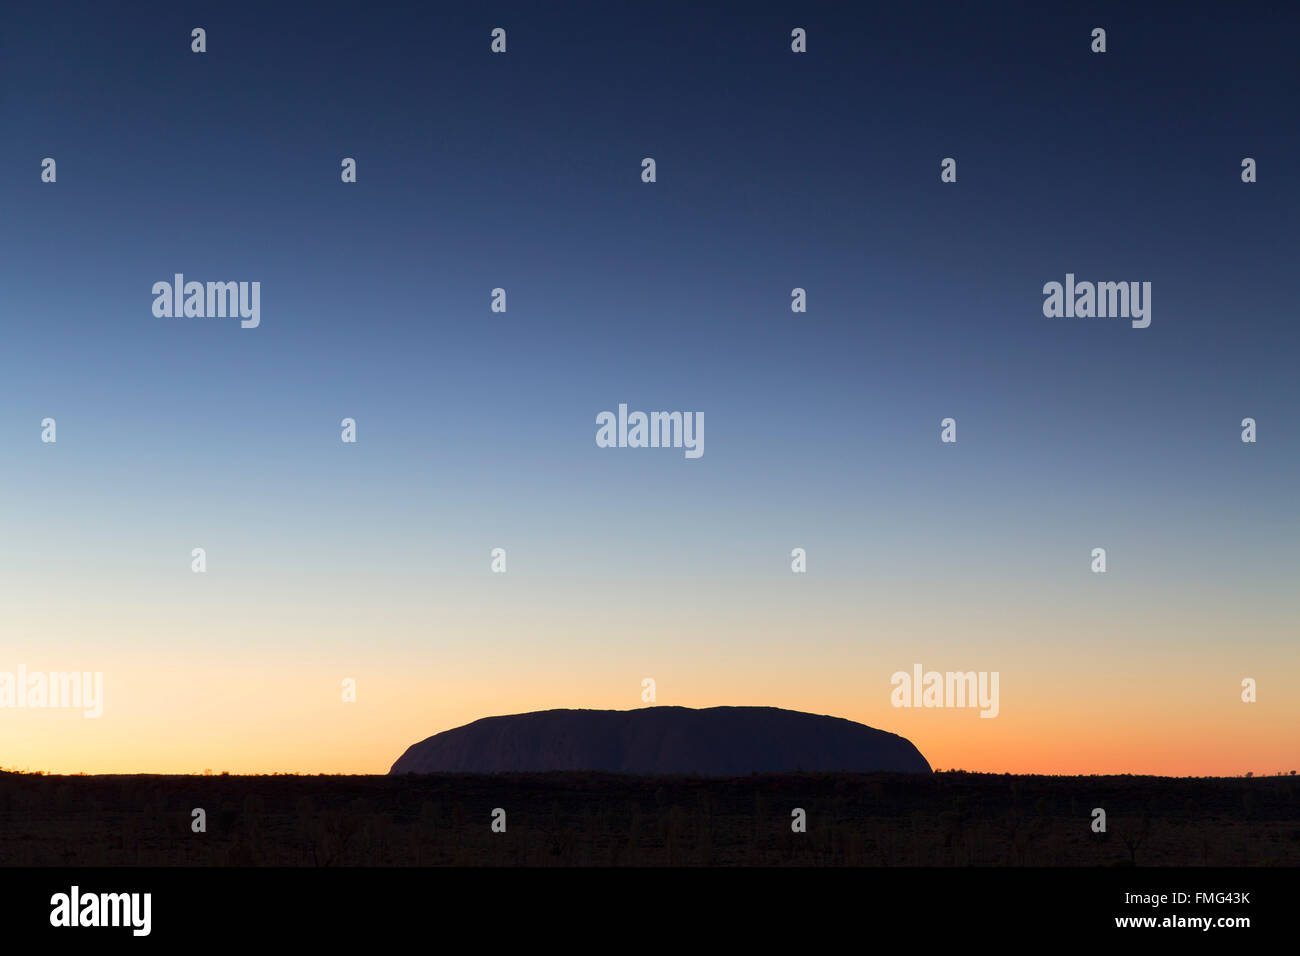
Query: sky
(370, 561)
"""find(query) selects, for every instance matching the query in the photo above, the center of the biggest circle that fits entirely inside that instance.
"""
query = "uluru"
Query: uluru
(713, 741)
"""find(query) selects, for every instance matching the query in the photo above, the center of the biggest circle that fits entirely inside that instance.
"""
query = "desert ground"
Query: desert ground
(947, 819)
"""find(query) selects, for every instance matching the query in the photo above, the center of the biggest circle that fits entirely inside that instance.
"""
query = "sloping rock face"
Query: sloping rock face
(714, 741)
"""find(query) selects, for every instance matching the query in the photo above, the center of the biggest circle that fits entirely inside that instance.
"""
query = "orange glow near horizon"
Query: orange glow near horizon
(163, 717)
(1153, 696)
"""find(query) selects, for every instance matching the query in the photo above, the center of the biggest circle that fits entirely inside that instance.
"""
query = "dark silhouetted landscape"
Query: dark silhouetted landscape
(593, 819)
(713, 741)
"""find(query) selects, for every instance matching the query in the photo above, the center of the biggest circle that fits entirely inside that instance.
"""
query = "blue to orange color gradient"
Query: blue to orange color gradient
(330, 561)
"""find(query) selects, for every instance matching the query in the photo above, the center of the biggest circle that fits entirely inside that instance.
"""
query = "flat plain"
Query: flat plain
(582, 819)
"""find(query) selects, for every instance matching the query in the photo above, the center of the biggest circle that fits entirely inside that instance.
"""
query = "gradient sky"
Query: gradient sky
(476, 430)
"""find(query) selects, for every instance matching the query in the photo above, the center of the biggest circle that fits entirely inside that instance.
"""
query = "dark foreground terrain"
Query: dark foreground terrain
(584, 819)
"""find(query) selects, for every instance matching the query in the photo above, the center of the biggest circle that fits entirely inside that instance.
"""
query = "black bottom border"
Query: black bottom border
(608, 905)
